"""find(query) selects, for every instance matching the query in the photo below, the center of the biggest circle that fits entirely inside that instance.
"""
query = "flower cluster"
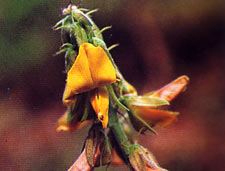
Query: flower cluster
(96, 91)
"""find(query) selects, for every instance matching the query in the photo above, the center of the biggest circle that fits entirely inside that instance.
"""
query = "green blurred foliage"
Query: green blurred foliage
(22, 35)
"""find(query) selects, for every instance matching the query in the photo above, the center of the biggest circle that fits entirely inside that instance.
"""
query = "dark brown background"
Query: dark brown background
(159, 41)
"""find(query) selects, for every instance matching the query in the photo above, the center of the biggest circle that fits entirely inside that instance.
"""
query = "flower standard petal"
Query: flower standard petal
(101, 68)
(100, 102)
(91, 69)
(79, 78)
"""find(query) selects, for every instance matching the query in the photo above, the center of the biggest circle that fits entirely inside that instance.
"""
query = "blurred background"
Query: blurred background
(159, 41)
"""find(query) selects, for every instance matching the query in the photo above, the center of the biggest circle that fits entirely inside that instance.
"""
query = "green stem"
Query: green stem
(118, 132)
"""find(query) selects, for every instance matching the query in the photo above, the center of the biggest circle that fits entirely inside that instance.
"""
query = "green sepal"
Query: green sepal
(70, 57)
(76, 109)
(113, 46)
(70, 115)
(55, 27)
(99, 42)
(114, 98)
(104, 29)
(87, 110)
(80, 35)
(148, 101)
(123, 88)
(139, 123)
(136, 159)
(90, 12)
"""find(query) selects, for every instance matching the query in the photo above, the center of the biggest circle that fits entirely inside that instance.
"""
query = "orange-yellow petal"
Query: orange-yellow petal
(155, 116)
(100, 102)
(68, 97)
(91, 69)
(63, 125)
(171, 90)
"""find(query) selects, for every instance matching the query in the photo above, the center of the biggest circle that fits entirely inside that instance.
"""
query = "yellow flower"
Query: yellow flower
(91, 71)
(145, 109)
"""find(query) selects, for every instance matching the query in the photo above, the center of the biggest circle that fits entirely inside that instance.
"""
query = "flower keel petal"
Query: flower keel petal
(100, 103)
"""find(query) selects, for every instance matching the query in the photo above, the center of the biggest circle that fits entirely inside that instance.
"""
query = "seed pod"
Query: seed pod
(91, 146)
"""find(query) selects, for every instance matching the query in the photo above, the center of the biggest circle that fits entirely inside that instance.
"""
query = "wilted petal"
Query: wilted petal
(116, 159)
(91, 69)
(63, 125)
(100, 103)
(171, 90)
(155, 116)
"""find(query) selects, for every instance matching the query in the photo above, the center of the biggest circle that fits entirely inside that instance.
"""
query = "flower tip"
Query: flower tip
(102, 120)
(174, 88)
(185, 77)
(62, 128)
(184, 80)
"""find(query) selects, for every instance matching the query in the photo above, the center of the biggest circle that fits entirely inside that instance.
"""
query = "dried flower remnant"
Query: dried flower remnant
(96, 91)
